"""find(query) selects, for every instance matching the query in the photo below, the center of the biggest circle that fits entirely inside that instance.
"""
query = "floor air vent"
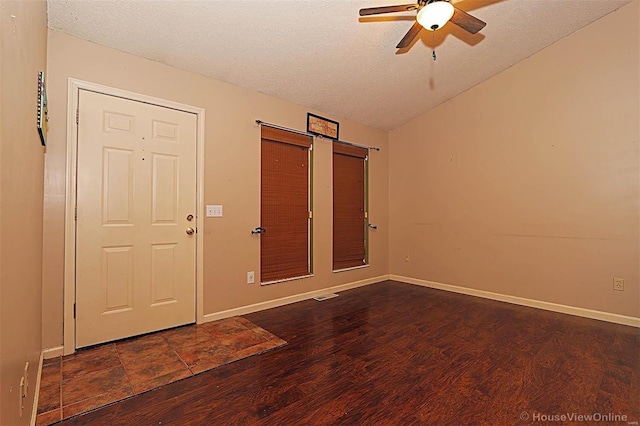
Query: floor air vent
(325, 297)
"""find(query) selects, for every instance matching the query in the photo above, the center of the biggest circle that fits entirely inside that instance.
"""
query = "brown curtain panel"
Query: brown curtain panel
(284, 205)
(348, 206)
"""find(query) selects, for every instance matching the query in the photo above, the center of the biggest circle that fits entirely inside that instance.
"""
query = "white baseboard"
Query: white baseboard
(243, 310)
(34, 408)
(565, 309)
(53, 352)
(45, 354)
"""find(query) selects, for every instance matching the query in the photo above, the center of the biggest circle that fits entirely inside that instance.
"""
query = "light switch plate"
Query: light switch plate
(214, 211)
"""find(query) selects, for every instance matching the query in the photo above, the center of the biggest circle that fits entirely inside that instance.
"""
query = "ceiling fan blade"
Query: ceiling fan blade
(409, 36)
(387, 9)
(467, 22)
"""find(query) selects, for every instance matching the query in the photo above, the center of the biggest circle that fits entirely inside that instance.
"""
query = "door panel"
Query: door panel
(117, 175)
(163, 259)
(165, 189)
(117, 275)
(136, 184)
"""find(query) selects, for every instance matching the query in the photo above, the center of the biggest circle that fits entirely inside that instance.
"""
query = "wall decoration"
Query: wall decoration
(323, 126)
(43, 113)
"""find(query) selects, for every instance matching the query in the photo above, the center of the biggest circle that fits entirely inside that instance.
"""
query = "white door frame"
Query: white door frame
(74, 87)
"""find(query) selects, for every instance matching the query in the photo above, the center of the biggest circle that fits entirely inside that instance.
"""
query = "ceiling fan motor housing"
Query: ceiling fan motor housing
(435, 14)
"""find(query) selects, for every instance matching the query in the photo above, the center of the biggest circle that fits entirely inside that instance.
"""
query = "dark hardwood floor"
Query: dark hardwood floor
(397, 354)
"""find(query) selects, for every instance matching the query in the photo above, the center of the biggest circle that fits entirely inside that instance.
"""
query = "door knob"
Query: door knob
(190, 231)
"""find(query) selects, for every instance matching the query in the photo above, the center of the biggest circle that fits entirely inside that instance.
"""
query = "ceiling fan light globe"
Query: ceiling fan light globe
(435, 15)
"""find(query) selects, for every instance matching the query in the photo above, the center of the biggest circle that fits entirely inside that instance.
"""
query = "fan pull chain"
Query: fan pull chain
(433, 53)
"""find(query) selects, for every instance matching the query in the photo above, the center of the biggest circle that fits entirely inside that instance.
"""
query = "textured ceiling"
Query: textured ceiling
(321, 54)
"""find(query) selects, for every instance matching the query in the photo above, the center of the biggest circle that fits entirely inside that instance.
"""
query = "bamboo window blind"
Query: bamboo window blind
(349, 218)
(284, 205)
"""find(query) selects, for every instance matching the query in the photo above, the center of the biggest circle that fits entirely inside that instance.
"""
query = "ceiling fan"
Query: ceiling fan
(432, 14)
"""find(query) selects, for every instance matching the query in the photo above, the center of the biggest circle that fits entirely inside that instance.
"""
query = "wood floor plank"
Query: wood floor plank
(397, 354)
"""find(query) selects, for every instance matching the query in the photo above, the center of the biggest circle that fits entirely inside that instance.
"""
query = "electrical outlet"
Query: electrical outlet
(251, 277)
(618, 284)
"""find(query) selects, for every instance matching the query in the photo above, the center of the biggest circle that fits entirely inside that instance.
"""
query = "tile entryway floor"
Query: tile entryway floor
(104, 374)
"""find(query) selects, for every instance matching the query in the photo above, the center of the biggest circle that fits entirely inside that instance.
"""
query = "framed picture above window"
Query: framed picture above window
(323, 126)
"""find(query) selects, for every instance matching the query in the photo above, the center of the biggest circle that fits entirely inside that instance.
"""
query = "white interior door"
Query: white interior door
(136, 208)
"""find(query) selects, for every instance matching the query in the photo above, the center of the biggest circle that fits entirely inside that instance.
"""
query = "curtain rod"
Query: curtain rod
(300, 132)
(275, 126)
(375, 148)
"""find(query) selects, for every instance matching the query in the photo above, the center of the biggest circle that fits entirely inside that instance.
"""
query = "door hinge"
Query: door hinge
(74, 311)
(75, 213)
(78, 116)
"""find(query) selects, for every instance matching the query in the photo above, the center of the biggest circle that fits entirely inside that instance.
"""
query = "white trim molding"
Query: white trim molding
(53, 352)
(555, 307)
(73, 90)
(243, 310)
(36, 394)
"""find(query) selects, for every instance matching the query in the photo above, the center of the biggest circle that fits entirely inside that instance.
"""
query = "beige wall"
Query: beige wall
(232, 159)
(528, 184)
(23, 46)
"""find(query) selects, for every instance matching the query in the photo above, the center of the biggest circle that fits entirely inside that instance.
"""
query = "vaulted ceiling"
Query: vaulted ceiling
(321, 54)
